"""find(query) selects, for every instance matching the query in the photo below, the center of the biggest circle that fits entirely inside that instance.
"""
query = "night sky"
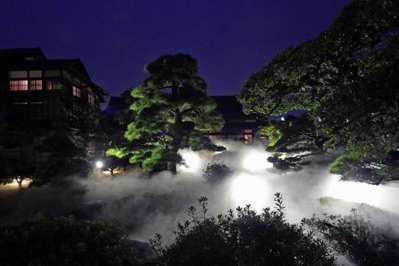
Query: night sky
(231, 39)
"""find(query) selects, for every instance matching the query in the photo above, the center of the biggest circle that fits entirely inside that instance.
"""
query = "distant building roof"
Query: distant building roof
(75, 64)
(117, 104)
(22, 58)
(230, 107)
(22, 54)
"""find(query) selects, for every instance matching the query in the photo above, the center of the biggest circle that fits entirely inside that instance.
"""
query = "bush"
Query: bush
(216, 172)
(65, 241)
(363, 243)
(345, 163)
(273, 134)
(242, 237)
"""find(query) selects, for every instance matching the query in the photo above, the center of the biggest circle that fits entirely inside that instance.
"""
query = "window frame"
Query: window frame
(34, 83)
(76, 91)
(18, 85)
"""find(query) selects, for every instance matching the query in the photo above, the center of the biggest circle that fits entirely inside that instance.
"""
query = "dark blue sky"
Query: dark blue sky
(231, 39)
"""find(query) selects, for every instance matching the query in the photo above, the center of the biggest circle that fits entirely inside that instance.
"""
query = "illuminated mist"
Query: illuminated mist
(155, 205)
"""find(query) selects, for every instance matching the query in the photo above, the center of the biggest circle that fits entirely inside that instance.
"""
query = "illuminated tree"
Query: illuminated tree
(171, 111)
(346, 80)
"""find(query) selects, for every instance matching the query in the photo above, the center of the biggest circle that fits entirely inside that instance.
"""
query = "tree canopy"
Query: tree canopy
(346, 79)
(171, 111)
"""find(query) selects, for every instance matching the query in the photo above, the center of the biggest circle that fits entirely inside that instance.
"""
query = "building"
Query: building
(40, 96)
(39, 91)
(238, 126)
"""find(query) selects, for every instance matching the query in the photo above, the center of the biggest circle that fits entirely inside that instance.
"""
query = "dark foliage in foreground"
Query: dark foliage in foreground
(57, 153)
(65, 241)
(242, 238)
(363, 243)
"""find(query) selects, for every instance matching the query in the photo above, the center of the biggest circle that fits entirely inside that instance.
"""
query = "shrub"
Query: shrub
(345, 163)
(363, 243)
(273, 134)
(216, 172)
(242, 237)
(65, 241)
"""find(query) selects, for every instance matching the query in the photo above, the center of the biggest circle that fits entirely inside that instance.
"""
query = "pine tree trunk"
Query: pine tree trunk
(172, 167)
(173, 153)
(19, 181)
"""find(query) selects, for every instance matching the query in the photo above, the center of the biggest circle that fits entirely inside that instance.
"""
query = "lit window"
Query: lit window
(76, 92)
(52, 85)
(36, 84)
(18, 74)
(18, 85)
(91, 98)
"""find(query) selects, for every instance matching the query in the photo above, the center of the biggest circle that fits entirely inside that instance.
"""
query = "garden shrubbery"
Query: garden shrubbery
(242, 237)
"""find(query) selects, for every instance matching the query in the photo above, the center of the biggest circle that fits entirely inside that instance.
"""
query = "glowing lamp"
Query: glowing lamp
(99, 164)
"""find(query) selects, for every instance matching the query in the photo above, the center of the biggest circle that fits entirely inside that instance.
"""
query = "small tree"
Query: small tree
(17, 163)
(68, 154)
(171, 111)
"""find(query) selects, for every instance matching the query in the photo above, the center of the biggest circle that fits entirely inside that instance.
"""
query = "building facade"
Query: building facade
(39, 91)
(40, 97)
(238, 126)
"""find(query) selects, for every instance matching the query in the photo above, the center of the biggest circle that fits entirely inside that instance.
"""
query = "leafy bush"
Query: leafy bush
(363, 243)
(242, 237)
(273, 135)
(65, 241)
(216, 172)
(344, 163)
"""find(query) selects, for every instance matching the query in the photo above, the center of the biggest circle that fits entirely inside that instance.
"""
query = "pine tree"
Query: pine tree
(171, 111)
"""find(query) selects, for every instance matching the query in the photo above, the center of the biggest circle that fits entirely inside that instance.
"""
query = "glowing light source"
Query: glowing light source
(355, 191)
(255, 161)
(15, 184)
(249, 189)
(192, 162)
(99, 164)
